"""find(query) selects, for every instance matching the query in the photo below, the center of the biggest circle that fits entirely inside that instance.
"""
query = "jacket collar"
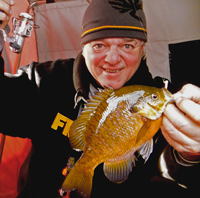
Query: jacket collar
(81, 79)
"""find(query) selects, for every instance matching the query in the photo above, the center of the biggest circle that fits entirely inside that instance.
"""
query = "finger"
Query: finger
(5, 8)
(3, 20)
(189, 91)
(178, 140)
(181, 122)
(9, 2)
(177, 146)
(190, 108)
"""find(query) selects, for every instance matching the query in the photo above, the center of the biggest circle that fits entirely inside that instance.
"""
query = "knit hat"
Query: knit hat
(114, 18)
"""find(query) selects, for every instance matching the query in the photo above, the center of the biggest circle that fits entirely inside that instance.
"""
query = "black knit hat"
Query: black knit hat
(114, 18)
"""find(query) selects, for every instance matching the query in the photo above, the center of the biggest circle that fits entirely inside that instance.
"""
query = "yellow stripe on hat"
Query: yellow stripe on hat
(113, 26)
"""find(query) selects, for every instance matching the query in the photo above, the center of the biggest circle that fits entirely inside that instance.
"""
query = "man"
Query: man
(114, 33)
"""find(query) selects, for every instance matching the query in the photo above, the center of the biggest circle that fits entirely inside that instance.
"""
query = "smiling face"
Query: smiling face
(113, 61)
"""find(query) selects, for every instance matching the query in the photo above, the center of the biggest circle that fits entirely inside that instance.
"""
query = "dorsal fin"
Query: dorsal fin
(78, 128)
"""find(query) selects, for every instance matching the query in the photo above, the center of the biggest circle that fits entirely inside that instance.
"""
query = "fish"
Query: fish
(112, 126)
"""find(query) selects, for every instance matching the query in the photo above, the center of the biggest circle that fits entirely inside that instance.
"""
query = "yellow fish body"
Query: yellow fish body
(111, 128)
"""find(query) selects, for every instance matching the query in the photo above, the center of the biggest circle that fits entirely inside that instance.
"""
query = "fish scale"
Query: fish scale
(114, 125)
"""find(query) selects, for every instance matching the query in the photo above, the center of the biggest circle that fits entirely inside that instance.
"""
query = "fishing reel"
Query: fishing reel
(22, 28)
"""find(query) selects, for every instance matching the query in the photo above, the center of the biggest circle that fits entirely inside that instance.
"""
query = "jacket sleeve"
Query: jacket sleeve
(18, 103)
(184, 174)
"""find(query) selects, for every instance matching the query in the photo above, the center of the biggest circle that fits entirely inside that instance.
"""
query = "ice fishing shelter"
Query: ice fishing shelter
(172, 52)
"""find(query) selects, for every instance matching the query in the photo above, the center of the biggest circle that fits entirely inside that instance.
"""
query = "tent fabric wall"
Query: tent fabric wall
(60, 29)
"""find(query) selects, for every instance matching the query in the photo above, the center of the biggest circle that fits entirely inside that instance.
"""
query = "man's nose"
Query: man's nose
(113, 56)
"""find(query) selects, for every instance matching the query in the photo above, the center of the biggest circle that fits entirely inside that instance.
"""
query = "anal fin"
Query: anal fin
(118, 171)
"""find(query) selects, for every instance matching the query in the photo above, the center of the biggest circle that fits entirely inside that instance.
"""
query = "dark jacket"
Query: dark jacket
(39, 103)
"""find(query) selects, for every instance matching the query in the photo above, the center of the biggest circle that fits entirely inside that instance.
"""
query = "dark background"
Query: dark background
(184, 64)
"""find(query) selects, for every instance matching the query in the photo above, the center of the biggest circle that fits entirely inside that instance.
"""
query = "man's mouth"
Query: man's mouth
(112, 71)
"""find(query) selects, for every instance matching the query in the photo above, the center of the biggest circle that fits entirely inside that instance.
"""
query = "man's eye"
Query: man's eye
(98, 46)
(128, 46)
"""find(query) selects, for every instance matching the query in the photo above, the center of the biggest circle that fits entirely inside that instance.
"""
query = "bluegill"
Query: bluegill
(111, 128)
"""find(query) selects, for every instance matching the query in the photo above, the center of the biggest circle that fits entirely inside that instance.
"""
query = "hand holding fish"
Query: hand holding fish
(181, 126)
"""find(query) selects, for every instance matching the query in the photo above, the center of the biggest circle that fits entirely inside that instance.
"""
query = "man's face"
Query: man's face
(113, 61)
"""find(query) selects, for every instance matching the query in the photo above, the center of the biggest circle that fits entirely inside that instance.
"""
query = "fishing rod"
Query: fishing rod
(22, 28)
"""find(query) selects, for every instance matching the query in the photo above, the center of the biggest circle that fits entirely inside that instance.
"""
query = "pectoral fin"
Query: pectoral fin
(146, 149)
(143, 131)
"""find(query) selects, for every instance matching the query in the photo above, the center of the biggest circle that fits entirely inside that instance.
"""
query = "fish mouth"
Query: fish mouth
(171, 101)
(169, 97)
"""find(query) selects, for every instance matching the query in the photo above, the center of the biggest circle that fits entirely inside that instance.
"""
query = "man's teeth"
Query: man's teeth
(112, 71)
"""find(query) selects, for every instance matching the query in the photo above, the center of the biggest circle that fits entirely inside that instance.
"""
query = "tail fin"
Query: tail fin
(79, 179)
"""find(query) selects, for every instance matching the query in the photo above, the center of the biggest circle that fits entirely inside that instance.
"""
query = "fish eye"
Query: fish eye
(154, 96)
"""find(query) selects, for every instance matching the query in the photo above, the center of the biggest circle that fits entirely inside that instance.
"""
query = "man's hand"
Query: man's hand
(181, 123)
(5, 12)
